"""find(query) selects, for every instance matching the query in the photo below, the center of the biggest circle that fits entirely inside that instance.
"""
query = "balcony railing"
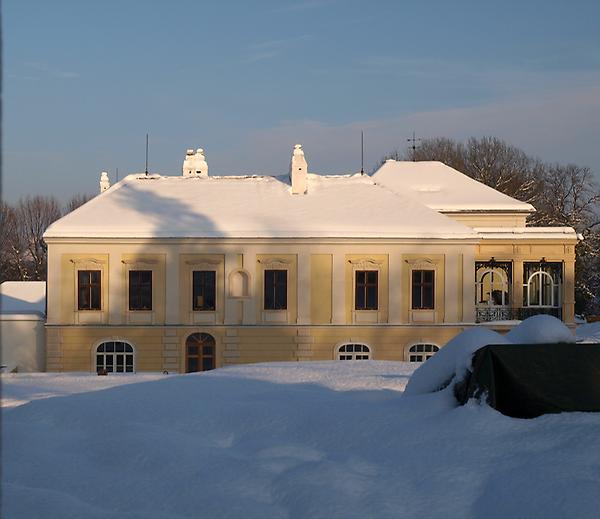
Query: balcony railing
(503, 313)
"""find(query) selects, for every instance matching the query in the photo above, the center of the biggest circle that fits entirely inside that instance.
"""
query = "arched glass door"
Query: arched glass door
(199, 352)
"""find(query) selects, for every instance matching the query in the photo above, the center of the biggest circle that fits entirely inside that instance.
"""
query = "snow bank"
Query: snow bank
(278, 442)
(451, 363)
(589, 332)
(540, 329)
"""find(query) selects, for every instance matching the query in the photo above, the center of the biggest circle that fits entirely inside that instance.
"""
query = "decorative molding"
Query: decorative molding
(364, 263)
(275, 262)
(141, 261)
(82, 261)
(423, 262)
(204, 262)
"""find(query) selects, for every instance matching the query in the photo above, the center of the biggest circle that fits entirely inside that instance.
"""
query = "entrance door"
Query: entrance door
(199, 352)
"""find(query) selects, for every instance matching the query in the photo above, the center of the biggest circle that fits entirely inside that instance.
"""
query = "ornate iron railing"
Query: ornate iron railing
(503, 313)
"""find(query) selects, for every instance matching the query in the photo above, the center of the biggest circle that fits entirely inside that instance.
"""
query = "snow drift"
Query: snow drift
(450, 365)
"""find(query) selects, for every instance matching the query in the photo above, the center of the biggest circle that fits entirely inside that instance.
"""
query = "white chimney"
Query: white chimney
(194, 164)
(298, 171)
(104, 182)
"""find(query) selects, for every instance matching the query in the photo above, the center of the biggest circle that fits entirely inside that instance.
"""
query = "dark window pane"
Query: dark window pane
(109, 347)
(372, 298)
(192, 364)
(208, 363)
(275, 295)
(88, 290)
(120, 360)
(140, 290)
(204, 290)
(129, 361)
(192, 349)
(423, 282)
(109, 361)
(99, 361)
(119, 346)
(128, 348)
(208, 350)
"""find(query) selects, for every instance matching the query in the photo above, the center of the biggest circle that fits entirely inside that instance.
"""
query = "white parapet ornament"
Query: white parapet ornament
(194, 164)
(298, 171)
(104, 181)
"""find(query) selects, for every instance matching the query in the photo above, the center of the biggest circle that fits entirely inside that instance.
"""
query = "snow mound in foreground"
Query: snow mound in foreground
(540, 329)
(451, 363)
(242, 443)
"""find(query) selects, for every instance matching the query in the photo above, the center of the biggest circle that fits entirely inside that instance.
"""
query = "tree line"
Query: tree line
(563, 195)
(23, 252)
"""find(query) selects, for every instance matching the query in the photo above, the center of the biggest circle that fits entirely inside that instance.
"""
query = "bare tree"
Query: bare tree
(75, 202)
(33, 216)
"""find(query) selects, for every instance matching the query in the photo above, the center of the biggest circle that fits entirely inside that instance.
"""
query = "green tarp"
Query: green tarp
(528, 380)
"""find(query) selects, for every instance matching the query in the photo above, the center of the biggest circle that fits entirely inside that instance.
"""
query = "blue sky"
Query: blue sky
(84, 81)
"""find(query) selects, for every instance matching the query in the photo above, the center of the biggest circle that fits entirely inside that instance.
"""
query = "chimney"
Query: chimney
(298, 171)
(104, 182)
(194, 164)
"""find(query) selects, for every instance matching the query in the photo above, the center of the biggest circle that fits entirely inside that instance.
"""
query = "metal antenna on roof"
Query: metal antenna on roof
(414, 146)
(362, 153)
(146, 154)
(117, 174)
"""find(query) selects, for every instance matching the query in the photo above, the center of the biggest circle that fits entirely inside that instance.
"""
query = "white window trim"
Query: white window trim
(479, 283)
(337, 353)
(114, 339)
(89, 316)
(408, 353)
(366, 316)
(541, 273)
(275, 316)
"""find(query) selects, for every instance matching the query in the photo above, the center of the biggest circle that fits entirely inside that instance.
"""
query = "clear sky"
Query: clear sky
(83, 81)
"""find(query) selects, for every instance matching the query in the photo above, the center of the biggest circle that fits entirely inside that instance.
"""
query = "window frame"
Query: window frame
(362, 288)
(114, 355)
(421, 285)
(273, 288)
(90, 287)
(427, 350)
(130, 299)
(351, 354)
(198, 308)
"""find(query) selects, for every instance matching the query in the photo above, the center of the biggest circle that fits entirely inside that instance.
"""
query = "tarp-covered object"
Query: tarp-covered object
(528, 380)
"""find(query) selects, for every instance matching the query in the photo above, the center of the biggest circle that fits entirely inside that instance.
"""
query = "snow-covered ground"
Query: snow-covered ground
(285, 440)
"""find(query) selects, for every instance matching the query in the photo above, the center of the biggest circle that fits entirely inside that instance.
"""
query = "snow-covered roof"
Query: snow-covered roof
(355, 206)
(443, 188)
(23, 298)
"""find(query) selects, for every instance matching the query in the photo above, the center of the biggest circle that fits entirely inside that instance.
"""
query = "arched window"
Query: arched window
(199, 352)
(492, 287)
(354, 352)
(421, 352)
(115, 357)
(543, 282)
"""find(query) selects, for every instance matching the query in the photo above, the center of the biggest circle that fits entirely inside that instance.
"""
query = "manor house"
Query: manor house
(190, 272)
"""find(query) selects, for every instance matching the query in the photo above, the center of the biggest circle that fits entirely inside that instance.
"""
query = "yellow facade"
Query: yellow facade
(320, 315)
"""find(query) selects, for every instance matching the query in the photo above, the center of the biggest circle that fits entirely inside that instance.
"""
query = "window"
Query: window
(140, 290)
(275, 289)
(542, 284)
(354, 352)
(199, 352)
(422, 352)
(88, 290)
(366, 290)
(423, 289)
(493, 283)
(204, 290)
(115, 357)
